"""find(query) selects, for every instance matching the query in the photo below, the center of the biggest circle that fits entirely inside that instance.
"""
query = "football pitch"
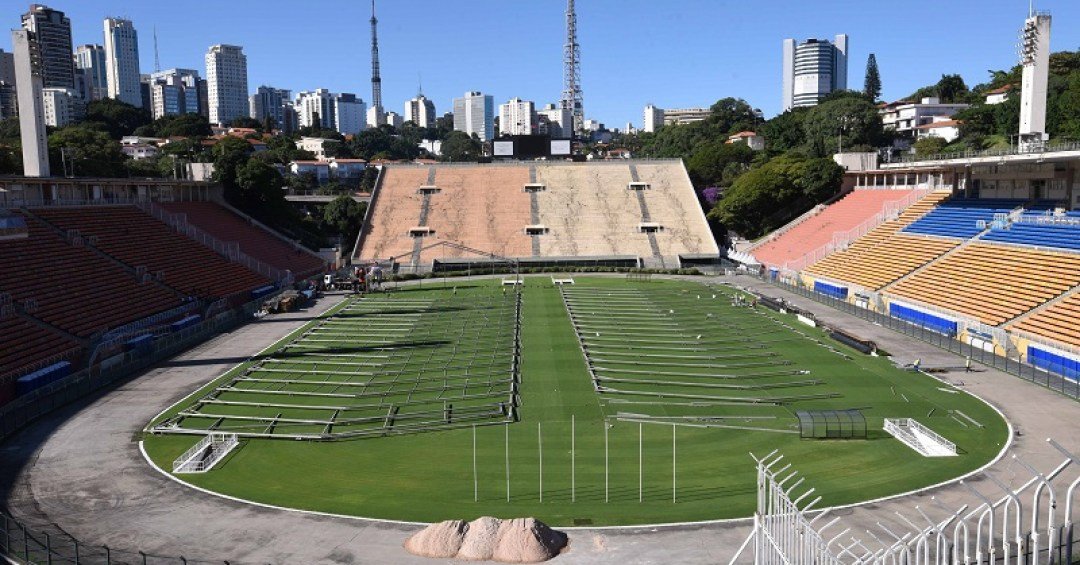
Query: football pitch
(607, 402)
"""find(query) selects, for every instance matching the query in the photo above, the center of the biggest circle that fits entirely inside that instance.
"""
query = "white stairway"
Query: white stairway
(204, 455)
(919, 437)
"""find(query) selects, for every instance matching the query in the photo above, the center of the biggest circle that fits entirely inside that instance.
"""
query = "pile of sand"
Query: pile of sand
(520, 540)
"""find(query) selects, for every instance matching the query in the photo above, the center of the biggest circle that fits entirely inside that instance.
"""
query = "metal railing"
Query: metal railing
(904, 426)
(1052, 147)
(1015, 366)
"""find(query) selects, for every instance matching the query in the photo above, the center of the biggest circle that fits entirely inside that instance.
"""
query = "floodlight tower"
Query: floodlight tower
(1034, 50)
(571, 95)
(376, 81)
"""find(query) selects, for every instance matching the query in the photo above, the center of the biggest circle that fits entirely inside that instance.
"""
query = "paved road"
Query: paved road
(80, 470)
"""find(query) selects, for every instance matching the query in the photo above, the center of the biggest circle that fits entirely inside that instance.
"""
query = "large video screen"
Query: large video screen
(503, 148)
(560, 146)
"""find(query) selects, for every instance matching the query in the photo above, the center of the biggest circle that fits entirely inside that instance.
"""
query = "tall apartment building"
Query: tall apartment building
(270, 102)
(350, 114)
(90, 59)
(315, 108)
(475, 113)
(50, 31)
(654, 118)
(555, 121)
(174, 92)
(517, 117)
(61, 106)
(420, 111)
(9, 107)
(122, 61)
(813, 69)
(226, 83)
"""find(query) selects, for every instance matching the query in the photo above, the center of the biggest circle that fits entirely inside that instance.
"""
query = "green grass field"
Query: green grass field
(666, 357)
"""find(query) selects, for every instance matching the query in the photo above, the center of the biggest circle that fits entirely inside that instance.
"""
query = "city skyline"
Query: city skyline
(675, 60)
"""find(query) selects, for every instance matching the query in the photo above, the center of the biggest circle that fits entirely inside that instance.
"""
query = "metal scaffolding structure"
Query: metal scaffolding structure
(571, 95)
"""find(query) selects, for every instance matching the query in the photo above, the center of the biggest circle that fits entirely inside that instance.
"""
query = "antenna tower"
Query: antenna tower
(571, 95)
(376, 82)
(157, 58)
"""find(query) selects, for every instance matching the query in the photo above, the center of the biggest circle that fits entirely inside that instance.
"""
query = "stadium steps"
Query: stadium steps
(784, 228)
(129, 268)
(28, 342)
(918, 437)
(927, 264)
(1055, 320)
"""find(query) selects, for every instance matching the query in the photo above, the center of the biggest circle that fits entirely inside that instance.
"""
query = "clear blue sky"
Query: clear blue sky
(673, 53)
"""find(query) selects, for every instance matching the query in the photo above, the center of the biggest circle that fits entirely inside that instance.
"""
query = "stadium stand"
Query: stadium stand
(992, 283)
(139, 240)
(27, 343)
(1040, 230)
(74, 288)
(960, 218)
(884, 255)
(551, 212)
(842, 216)
(1058, 321)
(253, 240)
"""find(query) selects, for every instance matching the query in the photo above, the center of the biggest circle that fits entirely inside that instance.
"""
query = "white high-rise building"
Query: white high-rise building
(557, 121)
(226, 83)
(475, 113)
(395, 119)
(91, 60)
(61, 106)
(174, 92)
(315, 108)
(517, 117)
(350, 114)
(420, 111)
(654, 119)
(375, 117)
(122, 61)
(28, 83)
(813, 69)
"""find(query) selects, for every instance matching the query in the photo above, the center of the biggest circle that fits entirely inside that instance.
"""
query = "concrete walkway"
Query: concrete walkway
(80, 471)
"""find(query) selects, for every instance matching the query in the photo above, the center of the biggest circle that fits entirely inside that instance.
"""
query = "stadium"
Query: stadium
(891, 377)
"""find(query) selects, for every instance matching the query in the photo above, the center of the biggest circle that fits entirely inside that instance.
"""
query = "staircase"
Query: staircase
(204, 455)
(919, 437)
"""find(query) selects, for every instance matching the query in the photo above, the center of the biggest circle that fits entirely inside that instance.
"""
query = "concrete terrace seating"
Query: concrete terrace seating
(884, 254)
(584, 210)
(254, 241)
(1041, 231)
(26, 343)
(590, 212)
(138, 239)
(673, 204)
(485, 208)
(993, 283)
(848, 213)
(1058, 321)
(959, 218)
(394, 211)
(75, 289)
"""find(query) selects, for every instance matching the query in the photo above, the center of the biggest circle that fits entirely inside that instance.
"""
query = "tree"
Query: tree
(718, 163)
(87, 151)
(784, 132)
(459, 146)
(872, 84)
(115, 117)
(229, 154)
(246, 122)
(344, 216)
(260, 184)
(929, 145)
(856, 118)
(951, 88)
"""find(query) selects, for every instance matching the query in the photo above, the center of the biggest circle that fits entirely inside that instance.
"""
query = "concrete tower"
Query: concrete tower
(29, 84)
(1035, 57)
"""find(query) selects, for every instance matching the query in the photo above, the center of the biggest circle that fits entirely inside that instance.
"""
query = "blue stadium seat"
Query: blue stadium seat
(959, 218)
(1061, 236)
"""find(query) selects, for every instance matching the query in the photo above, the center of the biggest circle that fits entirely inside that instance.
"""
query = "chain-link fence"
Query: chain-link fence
(1046, 377)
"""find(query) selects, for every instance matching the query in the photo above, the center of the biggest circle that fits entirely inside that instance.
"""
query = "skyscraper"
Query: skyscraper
(315, 108)
(654, 119)
(475, 113)
(557, 121)
(174, 92)
(349, 114)
(517, 117)
(50, 31)
(420, 111)
(270, 102)
(122, 61)
(91, 60)
(226, 83)
(8, 106)
(813, 69)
